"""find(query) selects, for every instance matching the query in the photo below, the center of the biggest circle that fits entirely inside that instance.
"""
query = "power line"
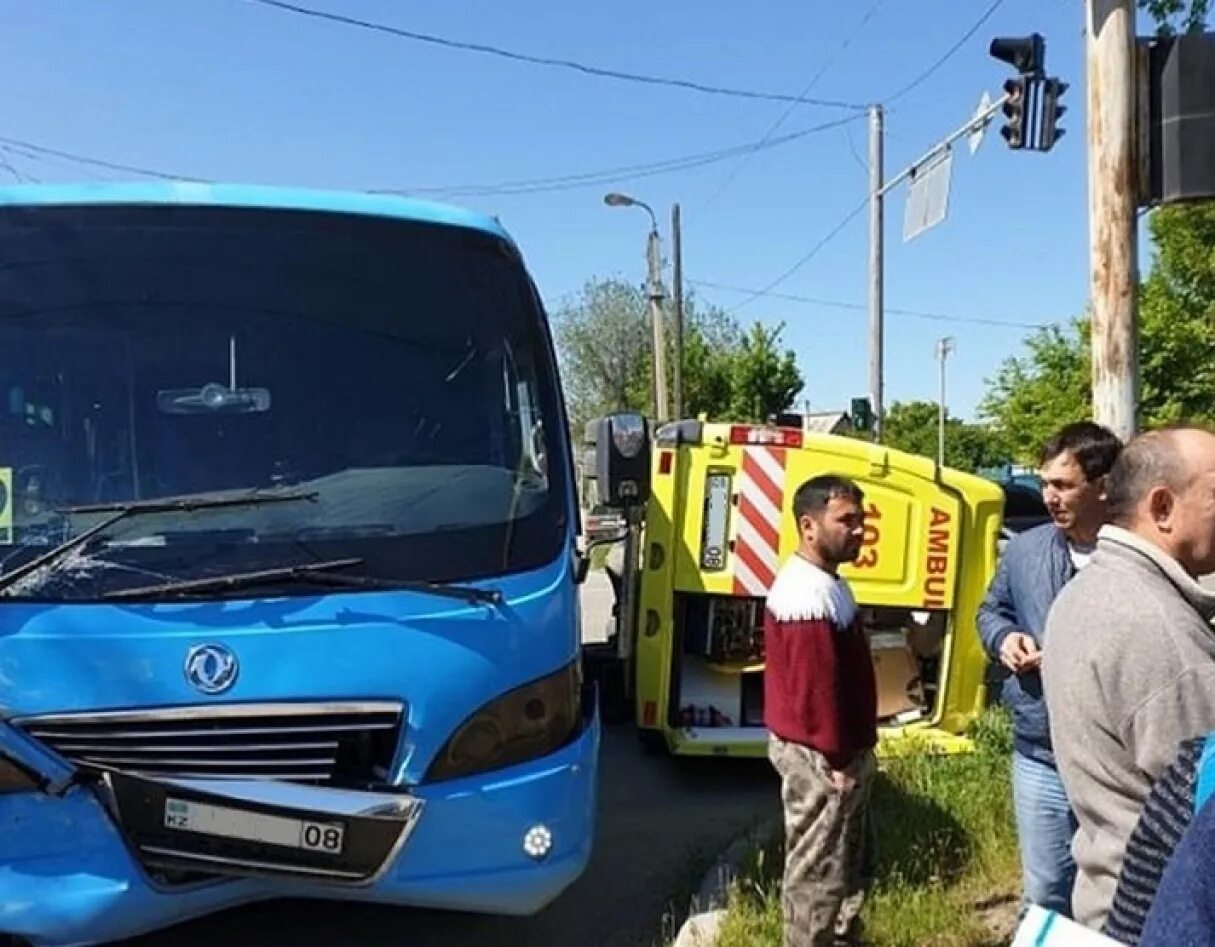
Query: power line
(775, 127)
(856, 155)
(620, 173)
(526, 186)
(598, 71)
(862, 307)
(8, 165)
(923, 77)
(98, 162)
(814, 251)
(39, 159)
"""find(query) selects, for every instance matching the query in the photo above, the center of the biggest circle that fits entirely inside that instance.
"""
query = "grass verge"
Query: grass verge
(948, 873)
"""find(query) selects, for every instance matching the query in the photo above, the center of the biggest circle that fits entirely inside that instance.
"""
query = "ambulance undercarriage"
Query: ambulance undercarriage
(691, 584)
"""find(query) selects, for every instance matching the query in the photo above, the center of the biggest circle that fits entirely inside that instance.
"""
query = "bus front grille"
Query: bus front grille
(334, 743)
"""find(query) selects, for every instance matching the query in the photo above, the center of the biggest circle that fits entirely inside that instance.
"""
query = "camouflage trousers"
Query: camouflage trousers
(829, 845)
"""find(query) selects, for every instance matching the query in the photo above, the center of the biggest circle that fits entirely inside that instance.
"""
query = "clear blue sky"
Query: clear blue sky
(229, 90)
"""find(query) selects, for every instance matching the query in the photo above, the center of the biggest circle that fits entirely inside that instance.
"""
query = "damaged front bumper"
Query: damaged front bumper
(89, 859)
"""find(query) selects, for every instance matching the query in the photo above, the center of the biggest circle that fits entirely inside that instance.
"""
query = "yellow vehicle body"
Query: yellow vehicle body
(719, 523)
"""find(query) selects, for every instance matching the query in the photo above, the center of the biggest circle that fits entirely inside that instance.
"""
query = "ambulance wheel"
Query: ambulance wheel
(653, 743)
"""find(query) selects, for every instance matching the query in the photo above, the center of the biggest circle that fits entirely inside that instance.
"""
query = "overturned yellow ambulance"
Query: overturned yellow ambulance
(717, 526)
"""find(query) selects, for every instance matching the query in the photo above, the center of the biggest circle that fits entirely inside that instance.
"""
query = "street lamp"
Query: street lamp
(616, 199)
(655, 293)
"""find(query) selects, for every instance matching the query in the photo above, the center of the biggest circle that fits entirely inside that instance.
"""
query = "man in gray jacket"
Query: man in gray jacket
(1035, 566)
(1129, 660)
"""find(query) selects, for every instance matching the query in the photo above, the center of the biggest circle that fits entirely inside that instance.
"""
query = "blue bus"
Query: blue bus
(288, 562)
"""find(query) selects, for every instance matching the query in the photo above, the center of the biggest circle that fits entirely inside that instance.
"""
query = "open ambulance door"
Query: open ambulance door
(931, 540)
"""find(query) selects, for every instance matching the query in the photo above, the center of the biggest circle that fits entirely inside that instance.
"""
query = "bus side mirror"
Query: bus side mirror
(618, 459)
(583, 564)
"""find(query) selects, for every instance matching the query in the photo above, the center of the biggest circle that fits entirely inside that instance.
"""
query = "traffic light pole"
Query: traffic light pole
(878, 188)
(1112, 204)
(877, 194)
(977, 121)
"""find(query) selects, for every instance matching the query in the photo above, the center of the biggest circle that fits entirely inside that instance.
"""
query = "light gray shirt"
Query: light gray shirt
(1128, 676)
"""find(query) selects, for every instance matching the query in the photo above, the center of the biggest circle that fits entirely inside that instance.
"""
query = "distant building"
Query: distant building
(827, 422)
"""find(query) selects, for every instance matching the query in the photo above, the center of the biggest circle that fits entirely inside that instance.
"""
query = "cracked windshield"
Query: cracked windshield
(307, 392)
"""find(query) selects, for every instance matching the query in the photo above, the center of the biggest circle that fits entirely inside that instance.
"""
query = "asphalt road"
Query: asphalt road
(661, 822)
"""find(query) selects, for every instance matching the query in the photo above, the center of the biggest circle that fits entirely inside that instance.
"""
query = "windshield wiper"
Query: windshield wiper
(318, 573)
(465, 593)
(121, 511)
(188, 502)
(235, 580)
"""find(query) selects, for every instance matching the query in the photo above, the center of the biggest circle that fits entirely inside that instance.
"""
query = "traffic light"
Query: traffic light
(1052, 111)
(1031, 99)
(862, 415)
(1026, 54)
(1013, 131)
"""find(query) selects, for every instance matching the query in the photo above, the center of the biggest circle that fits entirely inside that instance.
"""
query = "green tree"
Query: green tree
(1177, 317)
(764, 379)
(912, 426)
(1173, 16)
(1033, 395)
(604, 343)
(710, 344)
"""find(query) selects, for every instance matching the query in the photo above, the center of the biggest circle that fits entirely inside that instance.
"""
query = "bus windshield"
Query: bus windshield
(396, 372)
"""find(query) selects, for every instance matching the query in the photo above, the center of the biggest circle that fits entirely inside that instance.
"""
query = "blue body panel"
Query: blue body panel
(66, 874)
(66, 877)
(248, 195)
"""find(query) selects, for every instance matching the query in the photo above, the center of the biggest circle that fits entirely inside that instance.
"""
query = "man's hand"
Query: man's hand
(1020, 653)
(842, 780)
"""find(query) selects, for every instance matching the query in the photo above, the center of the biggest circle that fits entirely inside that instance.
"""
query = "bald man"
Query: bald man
(1128, 665)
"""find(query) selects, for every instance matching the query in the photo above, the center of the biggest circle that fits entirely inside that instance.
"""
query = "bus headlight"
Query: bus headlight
(529, 722)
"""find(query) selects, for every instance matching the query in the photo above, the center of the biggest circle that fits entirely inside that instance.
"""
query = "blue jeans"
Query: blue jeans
(1045, 826)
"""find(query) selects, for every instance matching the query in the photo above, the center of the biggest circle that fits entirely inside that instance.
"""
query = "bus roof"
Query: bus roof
(248, 195)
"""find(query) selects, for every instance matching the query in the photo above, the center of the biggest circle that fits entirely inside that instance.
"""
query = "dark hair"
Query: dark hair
(813, 496)
(1095, 448)
(1149, 460)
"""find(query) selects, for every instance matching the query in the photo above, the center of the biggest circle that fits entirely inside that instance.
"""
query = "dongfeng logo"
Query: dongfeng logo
(211, 668)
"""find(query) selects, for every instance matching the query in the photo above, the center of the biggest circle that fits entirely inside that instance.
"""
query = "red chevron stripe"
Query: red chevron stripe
(757, 475)
(769, 532)
(757, 566)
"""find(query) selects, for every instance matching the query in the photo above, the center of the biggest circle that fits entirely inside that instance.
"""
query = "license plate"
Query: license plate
(225, 822)
(716, 522)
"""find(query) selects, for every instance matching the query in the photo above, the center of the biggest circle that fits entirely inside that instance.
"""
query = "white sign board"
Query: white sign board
(928, 196)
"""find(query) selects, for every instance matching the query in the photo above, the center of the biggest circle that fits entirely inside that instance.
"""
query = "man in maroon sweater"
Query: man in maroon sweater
(820, 706)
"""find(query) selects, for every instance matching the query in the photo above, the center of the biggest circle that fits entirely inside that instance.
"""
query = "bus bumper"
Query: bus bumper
(68, 875)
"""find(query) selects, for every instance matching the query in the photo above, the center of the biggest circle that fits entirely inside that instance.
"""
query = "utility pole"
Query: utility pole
(655, 293)
(1112, 204)
(878, 188)
(876, 328)
(944, 347)
(677, 305)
